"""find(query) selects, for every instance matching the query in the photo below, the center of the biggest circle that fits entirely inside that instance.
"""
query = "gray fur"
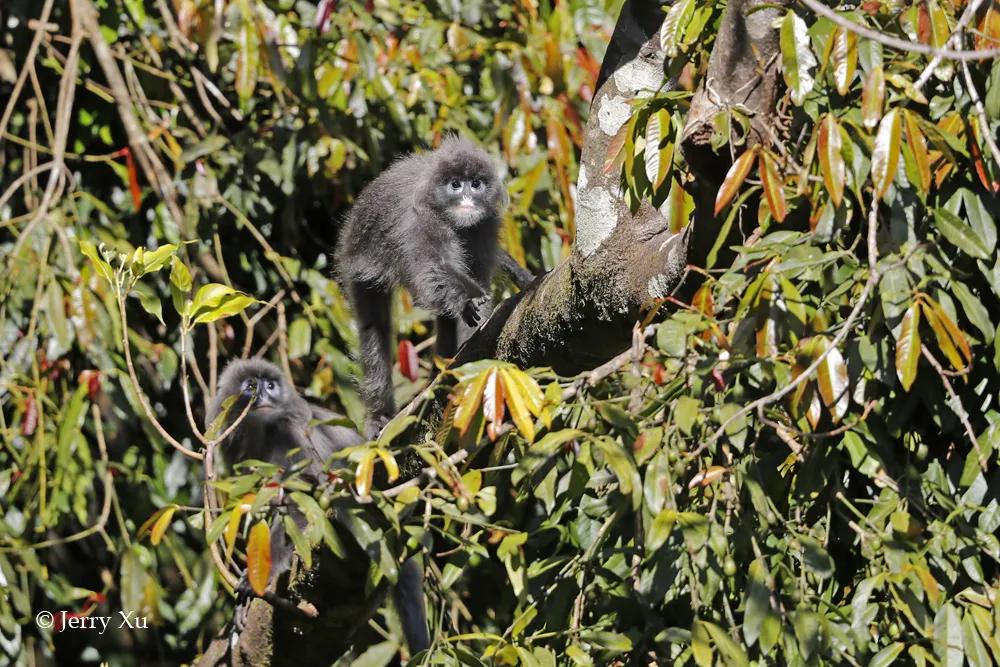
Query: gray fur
(281, 423)
(406, 229)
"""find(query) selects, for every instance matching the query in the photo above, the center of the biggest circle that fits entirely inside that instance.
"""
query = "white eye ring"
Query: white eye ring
(476, 184)
(455, 185)
(270, 385)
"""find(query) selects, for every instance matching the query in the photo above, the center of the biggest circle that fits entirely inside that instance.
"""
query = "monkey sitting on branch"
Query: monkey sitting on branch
(282, 428)
(429, 223)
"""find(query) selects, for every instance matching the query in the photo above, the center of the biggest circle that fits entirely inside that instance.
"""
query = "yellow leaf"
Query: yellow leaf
(232, 528)
(468, 403)
(259, 557)
(517, 403)
(872, 98)
(389, 461)
(363, 474)
(161, 525)
(845, 58)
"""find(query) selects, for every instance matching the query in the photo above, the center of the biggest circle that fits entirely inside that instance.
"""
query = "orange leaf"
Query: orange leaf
(773, 186)
(259, 557)
(950, 338)
(734, 179)
(707, 476)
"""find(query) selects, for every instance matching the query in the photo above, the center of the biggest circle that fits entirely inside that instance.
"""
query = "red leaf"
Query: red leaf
(29, 422)
(133, 180)
(407, 355)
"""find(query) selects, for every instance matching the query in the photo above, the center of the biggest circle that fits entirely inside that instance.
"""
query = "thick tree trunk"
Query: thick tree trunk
(582, 313)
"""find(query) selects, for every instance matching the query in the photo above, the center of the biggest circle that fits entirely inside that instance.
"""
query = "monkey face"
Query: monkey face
(467, 191)
(267, 393)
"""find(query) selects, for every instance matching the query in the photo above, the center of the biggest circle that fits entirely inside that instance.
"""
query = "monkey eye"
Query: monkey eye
(270, 385)
(455, 184)
(476, 184)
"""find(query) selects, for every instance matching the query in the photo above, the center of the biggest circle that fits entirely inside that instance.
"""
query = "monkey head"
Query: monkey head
(464, 185)
(256, 381)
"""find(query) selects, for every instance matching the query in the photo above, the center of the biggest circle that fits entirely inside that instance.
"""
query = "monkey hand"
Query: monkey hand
(244, 596)
(470, 313)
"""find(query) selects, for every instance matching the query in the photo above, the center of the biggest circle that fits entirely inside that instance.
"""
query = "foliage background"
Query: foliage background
(659, 516)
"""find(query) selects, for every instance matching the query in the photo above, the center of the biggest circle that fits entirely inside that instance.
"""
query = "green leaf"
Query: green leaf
(216, 301)
(299, 338)
(673, 26)
(888, 655)
(103, 268)
(180, 276)
(908, 347)
(832, 379)
(961, 235)
(797, 57)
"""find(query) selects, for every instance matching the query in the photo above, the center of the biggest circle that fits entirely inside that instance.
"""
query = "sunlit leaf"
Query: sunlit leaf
(467, 403)
(885, 154)
(832, 380)
(364, 473)
(950, 338)
(517, 402)
(831, 161)
(873, 97)
(674, 24)
(845, 58)
(960, 234)
(259, 557)
(797, 57)
(678, 207)
(734, 179)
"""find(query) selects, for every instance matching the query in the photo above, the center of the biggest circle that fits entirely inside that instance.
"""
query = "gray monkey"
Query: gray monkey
(280, 422)
(429, 223)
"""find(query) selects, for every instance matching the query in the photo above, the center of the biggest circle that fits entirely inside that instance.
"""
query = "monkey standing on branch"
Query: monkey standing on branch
(279, 423)
(429, 223)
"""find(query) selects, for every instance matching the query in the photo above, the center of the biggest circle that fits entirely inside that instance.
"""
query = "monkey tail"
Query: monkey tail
(408, 597)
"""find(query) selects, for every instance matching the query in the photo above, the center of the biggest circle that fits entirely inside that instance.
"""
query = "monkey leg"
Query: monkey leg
(408, 596)
(445, 336)
(372, 308)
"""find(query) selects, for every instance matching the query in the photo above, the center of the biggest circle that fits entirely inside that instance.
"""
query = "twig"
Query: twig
(426, 475)
(954, 40)
(29, 63)
(956, 405)
(984, 123)
(896, 42)
(139, 142)
(607, 368)
(102, 519)
(137, 388)
(64, 111)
